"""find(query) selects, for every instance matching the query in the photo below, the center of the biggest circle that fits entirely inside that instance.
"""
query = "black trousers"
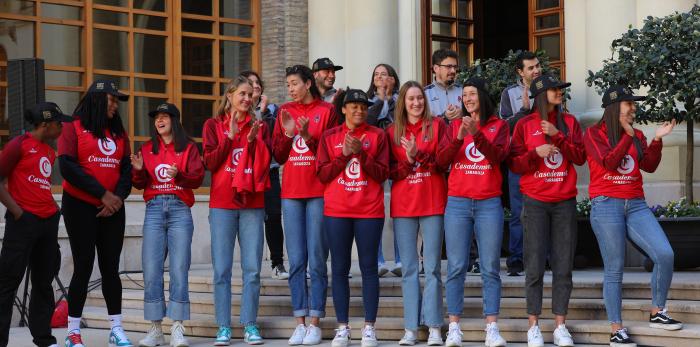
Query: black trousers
(86, 234)
(273, 219)
(29, 241)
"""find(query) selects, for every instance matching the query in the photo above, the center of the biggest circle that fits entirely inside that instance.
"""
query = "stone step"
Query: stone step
(513, 330)
(582, 309)
(588, 284)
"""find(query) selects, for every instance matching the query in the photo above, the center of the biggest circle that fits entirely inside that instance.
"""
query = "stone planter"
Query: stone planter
(684, 235)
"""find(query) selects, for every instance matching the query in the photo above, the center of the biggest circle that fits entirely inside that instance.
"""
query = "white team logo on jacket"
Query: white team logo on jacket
(352, 169)
(554, 161)
(45, 167)
(161, 173)
(299, 145)
(627, 165)
(107, 146)
(473, 153)
(236, 155)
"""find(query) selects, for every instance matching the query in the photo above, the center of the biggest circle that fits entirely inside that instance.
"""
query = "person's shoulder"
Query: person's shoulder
(429, 87)
(507, 89)
(570, 117)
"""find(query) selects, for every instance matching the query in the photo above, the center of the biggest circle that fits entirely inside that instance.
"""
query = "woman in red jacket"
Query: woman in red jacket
(419, 194)
(477, 145)
(94, 157)
(617, 154)
(237, 154)
(353, 162)
(298, 129)
(545, 146)
(168, 167)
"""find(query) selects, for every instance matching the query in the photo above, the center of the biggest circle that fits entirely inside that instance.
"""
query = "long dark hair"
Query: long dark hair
(611, 118)
(92, 110)
(486, 108)
(338, 105)
(306, 75)
(180, 137)
(541, 106)
(392, 73)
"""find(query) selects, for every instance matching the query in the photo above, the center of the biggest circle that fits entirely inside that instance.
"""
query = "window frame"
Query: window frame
(534, 33)
(173, 35)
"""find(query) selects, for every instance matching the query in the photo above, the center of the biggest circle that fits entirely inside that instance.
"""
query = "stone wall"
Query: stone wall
(285, 42)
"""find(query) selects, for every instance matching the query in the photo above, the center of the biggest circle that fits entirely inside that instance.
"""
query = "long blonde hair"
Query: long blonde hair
(401, 115)
(225, 105)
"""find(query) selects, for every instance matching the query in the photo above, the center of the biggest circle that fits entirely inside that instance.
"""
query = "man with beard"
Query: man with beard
(324, 74)
(444, 95)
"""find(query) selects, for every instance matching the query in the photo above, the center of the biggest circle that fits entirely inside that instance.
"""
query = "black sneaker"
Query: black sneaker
(621, 339)
(661, 320)
(516, 268)
(474, 270)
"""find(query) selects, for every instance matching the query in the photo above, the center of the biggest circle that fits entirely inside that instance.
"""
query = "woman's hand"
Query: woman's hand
(137, 161)
(254, 130)
(664, 129)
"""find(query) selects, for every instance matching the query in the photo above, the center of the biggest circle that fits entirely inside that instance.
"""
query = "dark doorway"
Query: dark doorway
(503, 26)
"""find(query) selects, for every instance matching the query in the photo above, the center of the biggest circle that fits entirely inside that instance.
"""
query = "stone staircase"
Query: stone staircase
(587, 319)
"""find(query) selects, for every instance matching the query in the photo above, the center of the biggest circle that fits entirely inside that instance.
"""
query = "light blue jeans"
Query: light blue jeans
(167, 231)
(417, 308)
(613, 220)
(463, 217)
(227, 225)
(306, 245)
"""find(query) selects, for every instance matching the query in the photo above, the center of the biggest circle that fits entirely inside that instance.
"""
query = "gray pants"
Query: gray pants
(549, 229)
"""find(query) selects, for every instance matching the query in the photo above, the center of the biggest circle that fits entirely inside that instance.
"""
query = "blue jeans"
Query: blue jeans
(515, 227)
(306, 245)
(340, 233)
(429, 305)
(167, 231)
(613, 220)
(463, 217)
(226, 225)
(380, 253)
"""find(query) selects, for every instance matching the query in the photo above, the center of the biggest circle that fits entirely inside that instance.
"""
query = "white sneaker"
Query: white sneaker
(154, 337)
(369, 337)
(177, 335)
(454, 336)
(562, 337)
(298, 335)
(54, 345)
(434, 337)
(534, 337)
(493, 336)
(313, 335)
(342, 337)
(279, 273)
(408, 339)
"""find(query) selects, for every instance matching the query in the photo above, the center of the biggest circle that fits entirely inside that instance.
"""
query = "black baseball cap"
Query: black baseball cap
(109, 87)
(617, 93)
(46, 112)
(165, 108)
(478, 83)
(356, 95)
(325, 63)
(544, 82)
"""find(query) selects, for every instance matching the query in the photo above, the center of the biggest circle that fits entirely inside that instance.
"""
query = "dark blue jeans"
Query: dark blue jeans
(340, 233)
(515, 227)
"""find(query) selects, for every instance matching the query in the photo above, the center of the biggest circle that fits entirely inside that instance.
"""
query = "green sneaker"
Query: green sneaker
(252, 336)
(223, 336)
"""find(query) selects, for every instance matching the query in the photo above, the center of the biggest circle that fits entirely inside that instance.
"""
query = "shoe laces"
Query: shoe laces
(119, 333)
(223, 332)
(300, 330)
(454, 332)
(368, 332)
(664, 314)
(342, 332)
(252, 330)
(75, 338)
(409, 335)
(623, 333)
(492, 331)
(534, 331)
(155, 329)
(434, 334)
(178, 330)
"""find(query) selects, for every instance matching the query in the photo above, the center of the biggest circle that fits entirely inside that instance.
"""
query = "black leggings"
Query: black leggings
(85, 233)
